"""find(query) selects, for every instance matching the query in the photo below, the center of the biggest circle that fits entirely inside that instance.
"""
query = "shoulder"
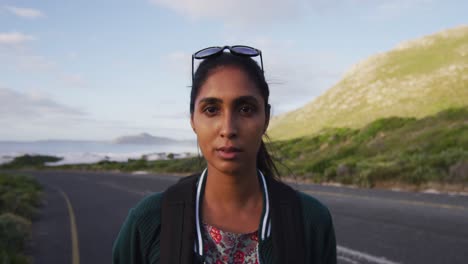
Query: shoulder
(139, 234)
(319, 230)
(313, 210)
(148, 208)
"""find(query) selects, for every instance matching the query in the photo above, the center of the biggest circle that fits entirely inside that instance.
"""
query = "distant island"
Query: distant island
(144, 139)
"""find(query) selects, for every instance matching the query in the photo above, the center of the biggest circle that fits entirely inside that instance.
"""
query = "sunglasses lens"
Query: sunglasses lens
(244, 50)
(206, 52)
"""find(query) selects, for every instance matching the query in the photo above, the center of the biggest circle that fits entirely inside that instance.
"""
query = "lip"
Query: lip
(228, 152)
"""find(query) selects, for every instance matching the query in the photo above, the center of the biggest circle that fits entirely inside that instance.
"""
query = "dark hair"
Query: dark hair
(252, 69)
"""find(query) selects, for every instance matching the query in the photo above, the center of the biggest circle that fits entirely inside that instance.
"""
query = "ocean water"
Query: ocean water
(93, 151)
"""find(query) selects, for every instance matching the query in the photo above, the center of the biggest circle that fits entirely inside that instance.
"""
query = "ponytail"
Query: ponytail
(265, 162)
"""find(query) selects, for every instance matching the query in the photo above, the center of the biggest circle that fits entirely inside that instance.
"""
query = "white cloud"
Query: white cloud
(14, 38)
(72, 55)
(236, 11)
(35, 116)
(296, 79)
(178, 62)
(24, 106)
(24, 59)
(246, 12)
(28, 13)
(177, 115)
(75, 80)
(385, 10)
(34, 62)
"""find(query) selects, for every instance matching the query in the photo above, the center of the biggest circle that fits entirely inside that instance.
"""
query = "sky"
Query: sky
(97, 70)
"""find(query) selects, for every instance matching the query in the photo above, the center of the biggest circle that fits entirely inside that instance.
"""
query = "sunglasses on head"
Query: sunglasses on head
(238, 50)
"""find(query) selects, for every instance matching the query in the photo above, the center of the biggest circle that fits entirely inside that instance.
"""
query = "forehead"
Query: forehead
(228, 83)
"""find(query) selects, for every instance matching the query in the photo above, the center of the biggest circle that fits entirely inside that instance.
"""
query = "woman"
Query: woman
(235, 211)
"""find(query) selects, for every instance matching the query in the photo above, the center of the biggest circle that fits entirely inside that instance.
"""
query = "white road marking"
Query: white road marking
(73, 229)
(140, 173)
(401, 201)
(355, 255)
(347, 260)
(120, 188)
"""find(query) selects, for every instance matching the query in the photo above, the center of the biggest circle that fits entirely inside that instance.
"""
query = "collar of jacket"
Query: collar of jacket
(265, 223)
(179, 227)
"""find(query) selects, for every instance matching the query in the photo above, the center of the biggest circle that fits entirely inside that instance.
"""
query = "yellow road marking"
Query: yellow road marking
(428, 204)
(74, 230)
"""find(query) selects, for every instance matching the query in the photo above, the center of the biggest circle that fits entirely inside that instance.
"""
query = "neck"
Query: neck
(232, 191)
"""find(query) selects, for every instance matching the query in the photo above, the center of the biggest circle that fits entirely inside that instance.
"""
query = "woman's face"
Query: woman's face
(229, 119)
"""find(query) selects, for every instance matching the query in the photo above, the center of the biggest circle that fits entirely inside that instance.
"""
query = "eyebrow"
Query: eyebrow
(237, 101)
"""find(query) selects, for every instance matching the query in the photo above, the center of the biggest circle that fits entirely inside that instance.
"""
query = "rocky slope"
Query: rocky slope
(418, 78)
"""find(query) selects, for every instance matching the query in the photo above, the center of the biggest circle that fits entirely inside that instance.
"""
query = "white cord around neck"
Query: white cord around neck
(265, 233)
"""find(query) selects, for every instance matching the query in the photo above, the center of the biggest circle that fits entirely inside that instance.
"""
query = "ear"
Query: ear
(192, 124)
(267, 119)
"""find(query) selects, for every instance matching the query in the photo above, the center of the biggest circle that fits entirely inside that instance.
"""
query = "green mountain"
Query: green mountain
(416, 79)
(389, 152)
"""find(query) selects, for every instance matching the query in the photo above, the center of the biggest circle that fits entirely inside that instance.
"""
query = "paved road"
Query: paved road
(372, 226)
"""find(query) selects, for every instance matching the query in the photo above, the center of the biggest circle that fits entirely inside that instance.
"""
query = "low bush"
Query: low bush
(19, 198)
(14, 231)
(29, 161)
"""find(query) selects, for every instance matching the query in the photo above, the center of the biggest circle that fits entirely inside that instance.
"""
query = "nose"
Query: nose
(229, 126)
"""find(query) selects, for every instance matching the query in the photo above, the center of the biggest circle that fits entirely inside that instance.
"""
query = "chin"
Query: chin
(228, 167)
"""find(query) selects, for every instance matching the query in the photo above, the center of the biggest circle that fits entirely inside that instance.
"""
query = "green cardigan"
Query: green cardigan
(139, 239)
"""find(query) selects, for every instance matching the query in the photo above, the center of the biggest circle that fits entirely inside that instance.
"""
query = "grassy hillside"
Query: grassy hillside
(387, 152)
(416, 79)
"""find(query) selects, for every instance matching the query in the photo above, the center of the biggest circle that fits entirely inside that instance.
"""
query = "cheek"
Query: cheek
(255, 132)
(205, 134)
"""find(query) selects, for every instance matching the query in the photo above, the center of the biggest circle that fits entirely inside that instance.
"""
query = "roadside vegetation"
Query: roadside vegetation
(183, 166)
(431, 152)
(20, 197)
(29, 162)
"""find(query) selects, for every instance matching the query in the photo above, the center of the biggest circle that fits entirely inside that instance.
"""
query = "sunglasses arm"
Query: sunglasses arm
(261, 62)
(192, 69)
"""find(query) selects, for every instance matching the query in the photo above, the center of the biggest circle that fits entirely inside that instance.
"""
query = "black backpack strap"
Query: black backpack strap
(287, 224)
(178, 222)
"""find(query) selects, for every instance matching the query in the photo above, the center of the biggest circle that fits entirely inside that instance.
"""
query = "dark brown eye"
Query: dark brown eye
(247, 109)
(210, 110)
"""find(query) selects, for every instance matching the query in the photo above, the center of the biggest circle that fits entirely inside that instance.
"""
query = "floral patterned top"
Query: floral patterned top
(221, 247)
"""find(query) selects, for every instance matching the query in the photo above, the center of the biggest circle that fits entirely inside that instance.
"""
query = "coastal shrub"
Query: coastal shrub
(453, 113)
(19, 194)
(321, 165)
(185, 165)
(343, 173)
(136, 164)
(14, 230)
(458, 173)
(19, 198)
(29, 161)
(381, 125)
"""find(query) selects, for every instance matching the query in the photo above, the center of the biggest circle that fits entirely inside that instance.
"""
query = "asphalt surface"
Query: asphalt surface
(372, 226)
